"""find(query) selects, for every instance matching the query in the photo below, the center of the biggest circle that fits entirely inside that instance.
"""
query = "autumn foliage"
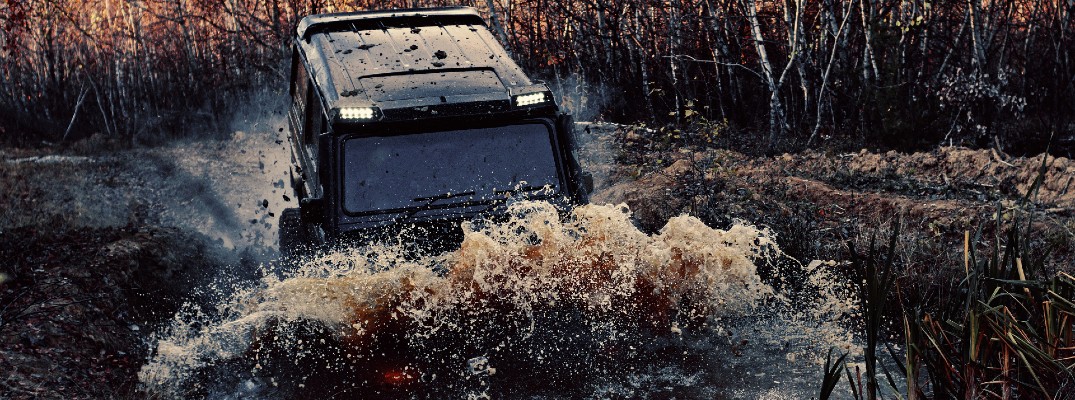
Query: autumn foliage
(880, 73)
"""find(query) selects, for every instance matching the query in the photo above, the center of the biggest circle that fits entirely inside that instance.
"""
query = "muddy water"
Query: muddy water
(230, 189)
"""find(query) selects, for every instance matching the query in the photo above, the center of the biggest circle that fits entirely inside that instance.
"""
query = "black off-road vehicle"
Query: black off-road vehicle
(409, 122)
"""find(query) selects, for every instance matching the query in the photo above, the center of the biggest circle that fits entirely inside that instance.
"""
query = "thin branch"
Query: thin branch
(74, 116)
(692, 59)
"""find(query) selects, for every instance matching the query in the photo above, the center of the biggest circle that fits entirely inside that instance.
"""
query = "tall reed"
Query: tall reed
(1007, 333)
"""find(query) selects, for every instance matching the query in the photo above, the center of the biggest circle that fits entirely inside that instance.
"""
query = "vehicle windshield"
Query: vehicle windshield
(394, 173)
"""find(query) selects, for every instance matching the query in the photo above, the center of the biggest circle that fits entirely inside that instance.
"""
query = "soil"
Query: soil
(78, 304)
(96, 250)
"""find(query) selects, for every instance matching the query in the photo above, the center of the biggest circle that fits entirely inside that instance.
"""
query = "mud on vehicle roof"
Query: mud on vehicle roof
(373, 58)
(381, 19)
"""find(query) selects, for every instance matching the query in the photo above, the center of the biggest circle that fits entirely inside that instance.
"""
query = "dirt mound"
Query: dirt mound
(85, 282)
(945, 172)
(76, 305)
(816, 202)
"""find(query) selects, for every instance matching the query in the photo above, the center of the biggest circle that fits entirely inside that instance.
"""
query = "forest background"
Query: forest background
(762, 75)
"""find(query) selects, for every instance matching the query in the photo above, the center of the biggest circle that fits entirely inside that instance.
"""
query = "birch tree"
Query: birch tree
(778, 125)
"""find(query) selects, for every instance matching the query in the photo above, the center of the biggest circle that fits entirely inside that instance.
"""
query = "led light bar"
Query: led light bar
(358, 113)
(532, 99)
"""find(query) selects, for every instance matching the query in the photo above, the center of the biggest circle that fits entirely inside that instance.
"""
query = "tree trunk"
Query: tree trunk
(495, 21)
(828, 71)
(777, 119)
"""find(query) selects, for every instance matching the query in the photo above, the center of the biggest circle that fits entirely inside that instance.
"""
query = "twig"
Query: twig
(997, 157)
(78, 106)
(689, 58)
(100, 105)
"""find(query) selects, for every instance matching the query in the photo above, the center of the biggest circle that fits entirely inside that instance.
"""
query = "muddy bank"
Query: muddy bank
(817, 204)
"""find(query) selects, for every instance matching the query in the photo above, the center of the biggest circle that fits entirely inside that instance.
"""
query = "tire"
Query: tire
(294, 237)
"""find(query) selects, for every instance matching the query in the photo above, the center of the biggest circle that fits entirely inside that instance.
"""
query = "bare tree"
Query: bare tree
(914, 70)
(778, 125)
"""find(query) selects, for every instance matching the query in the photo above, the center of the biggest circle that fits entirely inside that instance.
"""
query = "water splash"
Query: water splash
(535, 296)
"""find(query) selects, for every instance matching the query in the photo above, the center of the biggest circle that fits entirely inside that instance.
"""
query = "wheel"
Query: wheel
(294, 234)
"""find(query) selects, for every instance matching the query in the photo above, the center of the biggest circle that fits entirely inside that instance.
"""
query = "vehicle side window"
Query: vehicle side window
(300, 88)
(307, 121)
(313, 120)
(315, 125)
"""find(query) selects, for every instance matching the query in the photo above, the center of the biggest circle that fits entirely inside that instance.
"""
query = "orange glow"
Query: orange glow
(399, 377)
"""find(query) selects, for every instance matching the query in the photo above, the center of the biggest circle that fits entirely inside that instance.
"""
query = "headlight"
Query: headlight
(531, 99)
(359, 113)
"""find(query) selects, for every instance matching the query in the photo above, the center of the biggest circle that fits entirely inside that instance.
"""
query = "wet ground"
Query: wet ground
(101, 251)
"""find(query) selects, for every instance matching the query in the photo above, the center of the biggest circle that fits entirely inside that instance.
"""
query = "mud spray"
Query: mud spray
(538, 306)
(535, 306)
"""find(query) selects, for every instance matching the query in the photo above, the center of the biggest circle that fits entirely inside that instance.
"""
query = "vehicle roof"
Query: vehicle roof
(411, 57)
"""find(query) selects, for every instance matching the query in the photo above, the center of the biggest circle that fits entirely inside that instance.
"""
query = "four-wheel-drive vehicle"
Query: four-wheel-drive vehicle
(412, 121)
